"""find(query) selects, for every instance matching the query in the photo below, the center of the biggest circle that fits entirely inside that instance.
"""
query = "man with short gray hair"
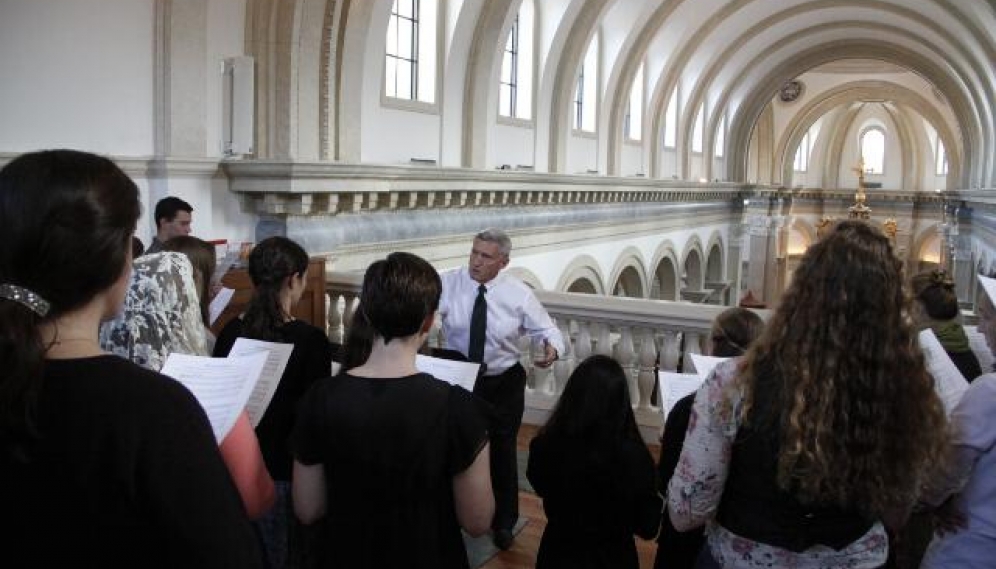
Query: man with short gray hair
(484, 313)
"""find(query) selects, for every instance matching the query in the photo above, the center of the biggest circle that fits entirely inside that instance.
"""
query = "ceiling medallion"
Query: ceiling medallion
(790, 91)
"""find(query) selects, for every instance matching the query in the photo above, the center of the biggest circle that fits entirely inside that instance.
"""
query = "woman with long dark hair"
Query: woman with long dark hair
(102, 463)
(278, 269)
(801, 453)
(594, 473)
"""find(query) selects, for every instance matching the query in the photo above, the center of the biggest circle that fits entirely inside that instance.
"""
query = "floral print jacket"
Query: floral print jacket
(696, 489)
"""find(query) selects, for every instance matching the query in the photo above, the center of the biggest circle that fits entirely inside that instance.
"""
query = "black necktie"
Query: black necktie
(478, 327)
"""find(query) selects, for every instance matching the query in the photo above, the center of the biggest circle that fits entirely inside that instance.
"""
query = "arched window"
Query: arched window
(720, 145)
(873, 150)
(586, 96)
(940, 158)
(410, 51)
(801, 162)
(671, 121)
(633, 125)
(515, 88)
(698, 131)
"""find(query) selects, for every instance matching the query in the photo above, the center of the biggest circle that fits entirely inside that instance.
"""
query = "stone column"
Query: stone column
(962, 261)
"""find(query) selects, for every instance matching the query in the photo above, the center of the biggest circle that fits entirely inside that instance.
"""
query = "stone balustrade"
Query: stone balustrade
(642, 335)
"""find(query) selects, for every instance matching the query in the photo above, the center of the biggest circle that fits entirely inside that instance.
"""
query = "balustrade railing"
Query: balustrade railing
(642, 335)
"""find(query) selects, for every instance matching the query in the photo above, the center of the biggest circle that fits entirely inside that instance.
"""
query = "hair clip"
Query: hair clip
(23, 296)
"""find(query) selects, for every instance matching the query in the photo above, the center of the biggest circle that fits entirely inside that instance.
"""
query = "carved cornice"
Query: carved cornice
(322, 188)
(848, 194)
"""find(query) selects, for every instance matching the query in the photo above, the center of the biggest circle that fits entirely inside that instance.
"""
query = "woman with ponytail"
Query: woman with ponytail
(102, 463)
(278, 270)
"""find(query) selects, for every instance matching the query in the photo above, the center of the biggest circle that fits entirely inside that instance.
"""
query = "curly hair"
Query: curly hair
(858, 418)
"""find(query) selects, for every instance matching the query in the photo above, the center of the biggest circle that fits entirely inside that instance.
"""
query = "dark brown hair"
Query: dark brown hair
(857, 413)
(271, 261)
(399, 292)
(203, 259)
(66, 223)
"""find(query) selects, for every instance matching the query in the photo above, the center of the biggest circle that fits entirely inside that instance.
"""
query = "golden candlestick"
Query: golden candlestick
(859, 210)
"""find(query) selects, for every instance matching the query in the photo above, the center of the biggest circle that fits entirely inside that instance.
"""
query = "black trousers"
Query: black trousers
(505, 393)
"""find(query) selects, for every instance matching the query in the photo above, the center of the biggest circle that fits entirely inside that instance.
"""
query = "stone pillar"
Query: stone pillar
(962, 261)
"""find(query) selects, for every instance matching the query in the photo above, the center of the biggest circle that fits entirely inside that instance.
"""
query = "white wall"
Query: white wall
(668, 163)
(392, 136)
(77, 74)
(582, 154)
(225, 38)
(512, 145)
(631, 162)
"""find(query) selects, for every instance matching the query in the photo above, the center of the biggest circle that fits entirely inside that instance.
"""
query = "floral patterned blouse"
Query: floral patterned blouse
(695, 490)
(161, 313)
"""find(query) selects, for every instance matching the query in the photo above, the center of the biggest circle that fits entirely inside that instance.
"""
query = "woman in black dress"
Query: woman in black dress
(394, 461)
(594, 473)
(278, 270)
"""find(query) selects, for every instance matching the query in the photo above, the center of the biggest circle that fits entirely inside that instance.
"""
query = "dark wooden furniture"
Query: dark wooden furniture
(310, 309)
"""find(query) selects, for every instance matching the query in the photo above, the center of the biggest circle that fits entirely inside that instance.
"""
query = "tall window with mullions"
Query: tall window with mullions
(401, 65)
(508, 89)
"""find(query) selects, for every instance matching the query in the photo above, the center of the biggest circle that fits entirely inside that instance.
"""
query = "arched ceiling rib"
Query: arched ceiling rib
(730, 55)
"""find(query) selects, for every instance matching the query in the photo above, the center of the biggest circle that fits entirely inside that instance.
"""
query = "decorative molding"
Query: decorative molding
(322, 188)
(151, 167)
(791, 91)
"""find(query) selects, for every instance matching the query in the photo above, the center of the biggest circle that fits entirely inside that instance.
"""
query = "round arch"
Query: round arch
(634, 282)
(715, 268)
(742, 124)
(582, 267)
(692, 270)
(526, 276)
(582, 285)
(920, 257)
(665, 284)
(803, 120)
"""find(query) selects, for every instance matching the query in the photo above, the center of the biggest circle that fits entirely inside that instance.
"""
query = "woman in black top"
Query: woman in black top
(102, 463)
(278, 270)
(394, 461)
(594, 473)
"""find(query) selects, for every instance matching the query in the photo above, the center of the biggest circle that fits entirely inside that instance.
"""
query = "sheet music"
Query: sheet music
(277, 356)
(463, 374)
(673, 386)
(219, 302)
(224, 263)
(948, 381)
(221, 385)
(977, 341)
(705, 364)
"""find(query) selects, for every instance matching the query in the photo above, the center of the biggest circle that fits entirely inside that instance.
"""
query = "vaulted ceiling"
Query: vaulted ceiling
(931, 59)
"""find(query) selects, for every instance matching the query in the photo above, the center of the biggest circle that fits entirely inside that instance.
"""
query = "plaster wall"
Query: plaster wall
(77, 75)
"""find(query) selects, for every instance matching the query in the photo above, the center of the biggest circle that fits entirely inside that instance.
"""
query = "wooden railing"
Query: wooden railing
(642, 335)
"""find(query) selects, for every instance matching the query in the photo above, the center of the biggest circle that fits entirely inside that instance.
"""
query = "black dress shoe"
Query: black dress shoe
(502, 538)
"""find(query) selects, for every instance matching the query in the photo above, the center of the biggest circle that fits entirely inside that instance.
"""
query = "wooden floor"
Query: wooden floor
(523, 551)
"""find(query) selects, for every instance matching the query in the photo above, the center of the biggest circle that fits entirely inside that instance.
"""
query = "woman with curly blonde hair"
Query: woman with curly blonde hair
(802, 453)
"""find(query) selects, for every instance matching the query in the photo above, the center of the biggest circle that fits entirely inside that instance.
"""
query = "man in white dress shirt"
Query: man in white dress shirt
(484, 314)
